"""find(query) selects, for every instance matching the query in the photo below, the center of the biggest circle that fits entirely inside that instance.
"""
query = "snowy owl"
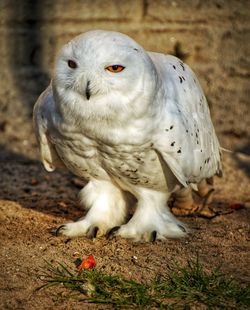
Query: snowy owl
(131, 123)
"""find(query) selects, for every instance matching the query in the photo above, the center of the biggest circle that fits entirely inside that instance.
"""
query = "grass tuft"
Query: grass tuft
(182, 287)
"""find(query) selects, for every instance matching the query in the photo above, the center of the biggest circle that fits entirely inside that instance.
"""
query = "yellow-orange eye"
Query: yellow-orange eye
(72, 64)
(115, 68)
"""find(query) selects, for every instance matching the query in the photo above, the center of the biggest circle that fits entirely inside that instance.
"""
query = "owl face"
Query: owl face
(102, 67)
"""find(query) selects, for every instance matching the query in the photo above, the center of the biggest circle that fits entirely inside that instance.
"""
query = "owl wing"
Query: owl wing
(43, 110)
(185, 137)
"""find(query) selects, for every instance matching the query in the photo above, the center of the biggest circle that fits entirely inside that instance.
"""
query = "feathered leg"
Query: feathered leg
(152, 219)
(106, 205)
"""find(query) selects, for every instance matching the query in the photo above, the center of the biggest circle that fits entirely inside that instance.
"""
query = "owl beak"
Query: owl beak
(87, 91)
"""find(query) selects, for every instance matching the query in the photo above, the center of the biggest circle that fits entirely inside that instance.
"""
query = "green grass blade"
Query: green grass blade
(183, 286)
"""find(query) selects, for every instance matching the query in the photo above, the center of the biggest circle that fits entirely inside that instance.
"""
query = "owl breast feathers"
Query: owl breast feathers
(135, 125)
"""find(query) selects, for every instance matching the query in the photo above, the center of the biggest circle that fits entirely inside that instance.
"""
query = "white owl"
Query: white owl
(131, 123)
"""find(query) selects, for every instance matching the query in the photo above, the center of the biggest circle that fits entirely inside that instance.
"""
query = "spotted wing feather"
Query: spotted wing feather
(186, 137)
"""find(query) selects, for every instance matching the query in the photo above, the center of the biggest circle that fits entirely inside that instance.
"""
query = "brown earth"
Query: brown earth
(34, 201)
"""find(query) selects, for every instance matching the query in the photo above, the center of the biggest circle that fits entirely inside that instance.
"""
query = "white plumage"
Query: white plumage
(125, 120)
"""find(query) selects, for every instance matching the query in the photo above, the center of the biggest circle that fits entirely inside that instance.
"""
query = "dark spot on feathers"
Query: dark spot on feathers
(166, 129)
(180, 79)
(182, 65)
(133, 178)
(186, 131)
(174, 67)
(197, 142)
(200, 168)
(171, 127)
(172, 144)
(132, 170)
(183, 78)
(179, 151)
(207, 160)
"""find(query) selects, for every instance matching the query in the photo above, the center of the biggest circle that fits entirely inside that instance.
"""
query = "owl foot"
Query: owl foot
(151, 221)
(107, 208)
(78, 229)
(184, 204)
(203, 209)
(152, 237)
(143, 235)
(83, 228)
(112, 232)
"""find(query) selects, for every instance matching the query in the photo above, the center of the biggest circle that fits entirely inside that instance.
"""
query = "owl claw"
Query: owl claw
(92, 232)
(57, 232)
(111, 234)
(182, 228)
(153, 236)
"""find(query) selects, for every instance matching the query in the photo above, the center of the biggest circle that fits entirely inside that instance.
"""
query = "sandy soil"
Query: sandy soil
(32, 202)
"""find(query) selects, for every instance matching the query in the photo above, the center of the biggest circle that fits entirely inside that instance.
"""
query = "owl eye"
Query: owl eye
(72, 64)
(115, 68)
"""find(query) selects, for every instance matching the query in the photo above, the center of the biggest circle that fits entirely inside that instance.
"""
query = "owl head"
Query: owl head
(103, 72)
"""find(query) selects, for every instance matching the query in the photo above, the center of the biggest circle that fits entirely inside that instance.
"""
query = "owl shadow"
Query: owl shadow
(242, 158)
(26, 182)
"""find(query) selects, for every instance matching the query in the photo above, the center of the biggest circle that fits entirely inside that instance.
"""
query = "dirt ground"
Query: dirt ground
(32, 202)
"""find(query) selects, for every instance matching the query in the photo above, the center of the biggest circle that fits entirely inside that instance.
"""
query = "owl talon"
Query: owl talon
(92, 232)
(59, 229)
(182, 228)
(111, 234)
(153, 236)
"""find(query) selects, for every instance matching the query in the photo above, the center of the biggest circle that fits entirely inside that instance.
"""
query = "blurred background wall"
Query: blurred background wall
(212, 36)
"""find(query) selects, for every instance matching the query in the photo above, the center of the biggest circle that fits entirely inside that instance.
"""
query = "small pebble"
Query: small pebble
(34, 181)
